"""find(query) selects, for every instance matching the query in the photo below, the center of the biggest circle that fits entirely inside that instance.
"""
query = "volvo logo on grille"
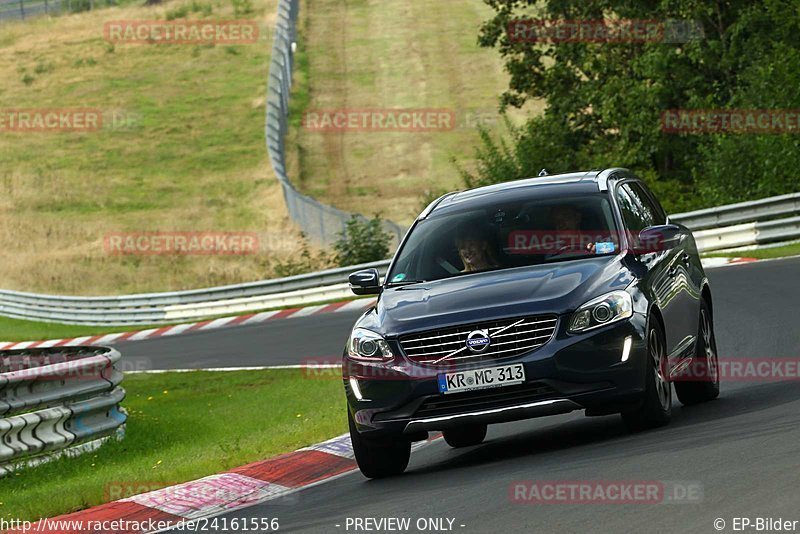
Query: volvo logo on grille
(478, 340)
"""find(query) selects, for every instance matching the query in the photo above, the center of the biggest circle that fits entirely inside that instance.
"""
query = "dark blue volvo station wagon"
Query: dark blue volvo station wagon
(525, 299)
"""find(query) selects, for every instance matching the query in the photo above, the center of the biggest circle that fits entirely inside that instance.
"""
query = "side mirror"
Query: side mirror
(659, 238)
(366, 282)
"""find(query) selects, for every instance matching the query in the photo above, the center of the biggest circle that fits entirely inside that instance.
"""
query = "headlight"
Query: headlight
(601, 311)
(366, 345)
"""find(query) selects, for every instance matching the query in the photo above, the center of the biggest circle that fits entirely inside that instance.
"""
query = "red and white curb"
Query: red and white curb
(710, 263)
(254, 318)
(256, 483)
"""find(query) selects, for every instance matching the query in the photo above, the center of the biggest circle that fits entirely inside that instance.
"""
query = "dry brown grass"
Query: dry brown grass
(395, 54)
(195, 162)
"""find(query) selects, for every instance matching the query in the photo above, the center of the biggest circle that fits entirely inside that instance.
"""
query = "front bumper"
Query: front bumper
(570, 372)
(492, 415)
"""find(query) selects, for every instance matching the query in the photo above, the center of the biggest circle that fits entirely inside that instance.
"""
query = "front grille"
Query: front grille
(509, 337)
(473, 401)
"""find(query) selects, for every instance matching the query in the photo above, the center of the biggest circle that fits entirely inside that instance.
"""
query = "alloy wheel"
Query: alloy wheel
(663, 387)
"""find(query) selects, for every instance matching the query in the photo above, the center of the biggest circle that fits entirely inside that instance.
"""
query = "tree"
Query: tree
(605, 99)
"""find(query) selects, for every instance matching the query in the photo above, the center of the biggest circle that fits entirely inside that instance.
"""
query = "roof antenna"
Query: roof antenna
(543, 172)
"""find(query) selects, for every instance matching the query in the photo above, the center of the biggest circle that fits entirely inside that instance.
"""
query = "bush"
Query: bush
(203, 8)
(542, 143)
(79, 6)
(306, 262)
(363, 241)
(547, 143)
(177, 13)
(242, 7)
(43, 67)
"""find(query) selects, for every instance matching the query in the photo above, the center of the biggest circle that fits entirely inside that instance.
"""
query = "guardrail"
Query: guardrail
(754, 233)
(159, 308)
(57, 401)
(184, 306)
(318, 221)
(757, 222)
(732, 214)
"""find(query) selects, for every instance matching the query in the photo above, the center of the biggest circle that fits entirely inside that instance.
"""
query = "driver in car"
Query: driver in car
(567, 223)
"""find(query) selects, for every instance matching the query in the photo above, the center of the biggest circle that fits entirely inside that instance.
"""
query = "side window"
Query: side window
(650, 202)
(634, 214)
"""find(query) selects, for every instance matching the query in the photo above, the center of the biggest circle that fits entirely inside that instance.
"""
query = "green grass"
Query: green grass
(762, 253)
(184, 426)
(22, 330)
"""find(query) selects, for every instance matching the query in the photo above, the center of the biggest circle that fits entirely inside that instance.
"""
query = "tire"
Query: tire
(464, 436)
(379, 458)
(705, 359)
(656, 407)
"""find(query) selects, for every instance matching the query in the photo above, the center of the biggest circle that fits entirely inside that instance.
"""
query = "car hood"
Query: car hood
(553, 288)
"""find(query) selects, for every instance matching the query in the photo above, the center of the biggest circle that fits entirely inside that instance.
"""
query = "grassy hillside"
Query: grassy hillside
(191, 159)
(367, 54)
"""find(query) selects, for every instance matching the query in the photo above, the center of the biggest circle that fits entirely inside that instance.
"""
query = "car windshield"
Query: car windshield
(527, 231)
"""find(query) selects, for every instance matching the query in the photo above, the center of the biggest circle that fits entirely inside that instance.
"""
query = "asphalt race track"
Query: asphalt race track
(743, 449)
(279, 342)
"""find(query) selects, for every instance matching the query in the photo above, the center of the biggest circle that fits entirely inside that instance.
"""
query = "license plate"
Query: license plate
(489, 377)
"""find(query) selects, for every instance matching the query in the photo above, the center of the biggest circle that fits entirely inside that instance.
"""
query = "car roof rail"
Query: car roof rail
(605, 175)
(427, 211)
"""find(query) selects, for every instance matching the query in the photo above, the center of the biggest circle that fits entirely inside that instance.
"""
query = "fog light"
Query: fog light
(626, 349)
(355, 388)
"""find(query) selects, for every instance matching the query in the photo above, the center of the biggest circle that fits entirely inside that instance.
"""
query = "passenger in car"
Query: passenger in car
(475, 250)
